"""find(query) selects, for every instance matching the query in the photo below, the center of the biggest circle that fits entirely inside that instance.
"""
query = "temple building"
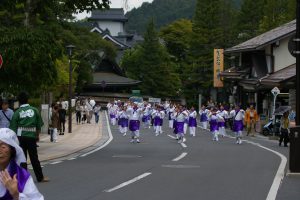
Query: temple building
(109, 80)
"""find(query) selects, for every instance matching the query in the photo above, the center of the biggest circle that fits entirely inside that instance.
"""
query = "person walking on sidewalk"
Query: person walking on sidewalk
(89, 105)
(78, 109)
(284, 129)
(55, 123)
(62, 119)
(27, 123)
(5, 114)
(251, 117)
(96, 110)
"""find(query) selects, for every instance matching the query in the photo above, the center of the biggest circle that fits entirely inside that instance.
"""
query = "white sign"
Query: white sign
(45, 106)
(154, 100)
(275, 91)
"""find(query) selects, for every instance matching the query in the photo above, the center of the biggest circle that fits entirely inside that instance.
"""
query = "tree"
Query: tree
(207, 35)
(34, 35)
(249, 16)
(177, 36)
(29, 59)
(151, 63)
(276, 13)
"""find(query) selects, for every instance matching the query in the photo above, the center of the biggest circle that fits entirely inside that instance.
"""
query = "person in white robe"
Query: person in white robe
(15, 181)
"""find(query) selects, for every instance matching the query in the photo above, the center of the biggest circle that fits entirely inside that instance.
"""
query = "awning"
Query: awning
(249, 84)
(280, 77)
(235, 73)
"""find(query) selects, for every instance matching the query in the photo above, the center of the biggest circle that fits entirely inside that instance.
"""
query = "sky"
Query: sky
(118, 4)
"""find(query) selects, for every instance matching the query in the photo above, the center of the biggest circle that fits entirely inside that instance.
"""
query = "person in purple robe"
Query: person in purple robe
(193, 121)
(203, 112)
(238, 115)
(134, 114)
(214, 118)
(15, 181)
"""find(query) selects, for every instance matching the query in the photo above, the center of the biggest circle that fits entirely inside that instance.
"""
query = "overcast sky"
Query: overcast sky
(119, 4)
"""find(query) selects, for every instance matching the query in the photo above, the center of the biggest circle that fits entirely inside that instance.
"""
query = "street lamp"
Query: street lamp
(70, 49)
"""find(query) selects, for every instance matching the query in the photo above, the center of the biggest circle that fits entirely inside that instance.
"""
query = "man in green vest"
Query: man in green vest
(27, 123)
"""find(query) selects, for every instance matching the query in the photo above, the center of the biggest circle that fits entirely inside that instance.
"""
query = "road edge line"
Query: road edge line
(106, 143)
(279, 174)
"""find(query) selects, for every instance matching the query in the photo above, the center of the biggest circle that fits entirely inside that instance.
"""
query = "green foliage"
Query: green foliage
(151, 63)
(163, 12)
(276, 13)
(29, 58)
(34, 35)
(248, 19)
(177, 36)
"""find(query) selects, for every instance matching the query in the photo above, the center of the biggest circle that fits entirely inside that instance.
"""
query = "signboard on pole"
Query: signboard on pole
(275, 91)
(154, 100)
(1, 61)
(218, 67)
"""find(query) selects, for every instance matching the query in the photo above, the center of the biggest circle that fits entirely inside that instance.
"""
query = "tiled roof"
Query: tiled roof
(112, 79)
(114, 14)
(279, 76)
(265, 39)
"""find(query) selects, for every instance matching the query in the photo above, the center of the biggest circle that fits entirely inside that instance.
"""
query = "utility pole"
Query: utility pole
(295, 132)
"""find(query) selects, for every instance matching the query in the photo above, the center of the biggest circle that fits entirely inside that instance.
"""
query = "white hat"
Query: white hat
(10, 137)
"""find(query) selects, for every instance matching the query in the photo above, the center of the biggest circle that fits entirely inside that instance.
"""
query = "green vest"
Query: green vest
(26, 121)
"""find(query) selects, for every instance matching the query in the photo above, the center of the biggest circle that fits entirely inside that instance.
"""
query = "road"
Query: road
(160, 168)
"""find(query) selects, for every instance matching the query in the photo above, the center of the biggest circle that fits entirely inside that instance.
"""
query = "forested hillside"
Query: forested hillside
(163, 12)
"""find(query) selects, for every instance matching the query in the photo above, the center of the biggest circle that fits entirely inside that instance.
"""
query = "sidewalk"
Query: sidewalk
(82, 136)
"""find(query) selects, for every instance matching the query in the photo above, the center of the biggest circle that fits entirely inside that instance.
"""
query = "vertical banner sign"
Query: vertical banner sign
(218, 67)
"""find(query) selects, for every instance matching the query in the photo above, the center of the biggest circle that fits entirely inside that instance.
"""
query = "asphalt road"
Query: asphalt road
(203, 170)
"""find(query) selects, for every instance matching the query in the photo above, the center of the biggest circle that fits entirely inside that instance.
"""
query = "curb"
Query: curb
(93, 145)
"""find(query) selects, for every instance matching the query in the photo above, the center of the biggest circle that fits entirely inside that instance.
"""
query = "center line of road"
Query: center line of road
(180, 157)
(171, 136)
(128, 182)
(183, 145)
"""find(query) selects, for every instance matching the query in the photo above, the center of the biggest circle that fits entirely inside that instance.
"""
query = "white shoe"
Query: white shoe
(132, 141)
(124, 134)
(240, 142)
(237, 142)
(137, 140)
(157, 134)
(183, 139)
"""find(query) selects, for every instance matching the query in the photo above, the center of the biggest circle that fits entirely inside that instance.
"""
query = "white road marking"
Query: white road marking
(183, 145)
(126, 156)
(106, 143)
(180, 157)
(280, 172)
(128, 182)
(181, 166)
(171, 136)
(56, 162)
(71, 158)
